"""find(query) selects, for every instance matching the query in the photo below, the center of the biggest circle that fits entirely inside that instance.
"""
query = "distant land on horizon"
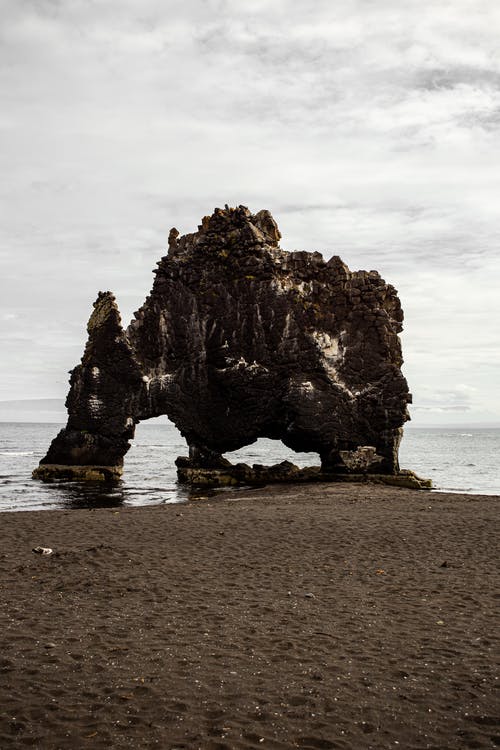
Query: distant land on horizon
(52, 410)
(38, 410)
(33, 410)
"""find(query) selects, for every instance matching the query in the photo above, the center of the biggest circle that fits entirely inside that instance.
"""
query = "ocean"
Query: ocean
(457, 460)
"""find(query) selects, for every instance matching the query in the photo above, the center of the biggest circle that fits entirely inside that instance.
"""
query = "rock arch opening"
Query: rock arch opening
(268, 452)
(149, 471)
(155, 446)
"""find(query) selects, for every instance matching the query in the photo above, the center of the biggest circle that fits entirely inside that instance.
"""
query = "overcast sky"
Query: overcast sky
(369, 128)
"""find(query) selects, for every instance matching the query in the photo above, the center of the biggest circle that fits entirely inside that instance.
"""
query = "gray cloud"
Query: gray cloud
(370, 129)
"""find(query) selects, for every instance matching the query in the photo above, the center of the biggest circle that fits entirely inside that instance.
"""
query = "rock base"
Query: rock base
(243, 474)
(49, 472)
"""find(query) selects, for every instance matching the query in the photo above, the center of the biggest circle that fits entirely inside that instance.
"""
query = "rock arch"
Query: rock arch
(238, 340)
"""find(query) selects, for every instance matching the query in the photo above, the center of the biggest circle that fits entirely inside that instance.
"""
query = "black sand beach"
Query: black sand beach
(325, 616)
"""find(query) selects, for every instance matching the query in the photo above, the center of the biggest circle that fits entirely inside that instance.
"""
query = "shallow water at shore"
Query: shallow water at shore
(457, 460)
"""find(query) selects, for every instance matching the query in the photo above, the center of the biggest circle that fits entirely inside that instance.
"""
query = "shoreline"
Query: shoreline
(221, 493)
(325, 616)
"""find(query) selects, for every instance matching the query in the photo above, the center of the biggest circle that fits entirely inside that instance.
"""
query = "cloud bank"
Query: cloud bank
(369, 129)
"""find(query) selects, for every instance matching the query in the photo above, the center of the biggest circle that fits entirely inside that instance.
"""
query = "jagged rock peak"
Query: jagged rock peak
(105, 312)
(227, 229)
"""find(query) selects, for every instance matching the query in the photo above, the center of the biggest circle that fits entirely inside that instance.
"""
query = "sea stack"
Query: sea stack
(239, 340)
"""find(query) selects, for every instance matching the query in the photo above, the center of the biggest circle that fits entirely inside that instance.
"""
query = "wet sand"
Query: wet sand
(322, 616)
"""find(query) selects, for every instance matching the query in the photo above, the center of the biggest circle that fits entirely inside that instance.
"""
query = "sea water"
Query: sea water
(457, 460)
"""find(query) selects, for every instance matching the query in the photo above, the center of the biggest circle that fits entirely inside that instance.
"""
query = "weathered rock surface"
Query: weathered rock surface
(258, 475)
(240, 340)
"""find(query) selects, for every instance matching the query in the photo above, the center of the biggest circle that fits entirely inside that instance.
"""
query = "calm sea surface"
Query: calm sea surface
(458, 460)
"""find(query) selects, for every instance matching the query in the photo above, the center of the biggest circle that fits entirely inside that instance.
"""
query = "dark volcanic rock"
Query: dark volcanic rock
(240, 340)
(102, 398)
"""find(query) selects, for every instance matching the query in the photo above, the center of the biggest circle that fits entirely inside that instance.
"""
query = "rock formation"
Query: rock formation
(240, 340)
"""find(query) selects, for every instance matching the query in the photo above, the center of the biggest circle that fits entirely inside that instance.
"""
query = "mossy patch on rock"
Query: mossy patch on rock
(49, 472)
